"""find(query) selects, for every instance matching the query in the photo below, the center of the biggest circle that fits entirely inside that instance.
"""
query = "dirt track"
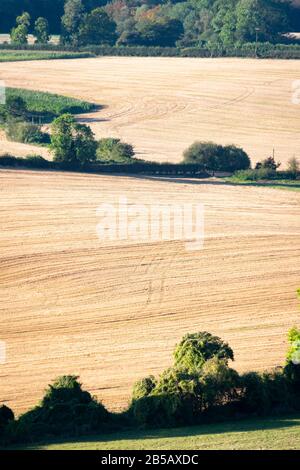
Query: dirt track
(162, 105)
(112, 313)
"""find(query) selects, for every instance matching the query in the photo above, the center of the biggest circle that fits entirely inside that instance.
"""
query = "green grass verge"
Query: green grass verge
(290, 185)
(49, 104)
(16, 56)
(273, 433)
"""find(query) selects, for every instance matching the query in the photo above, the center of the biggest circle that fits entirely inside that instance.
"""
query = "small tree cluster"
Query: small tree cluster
(19, 34)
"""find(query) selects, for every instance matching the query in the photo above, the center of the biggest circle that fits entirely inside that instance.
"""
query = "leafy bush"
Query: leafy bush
(65, 409)
(21, 131)
(113, 150)
(269, 163)
(160, 410)
(143, 387)
(214, 157)
(266, 393)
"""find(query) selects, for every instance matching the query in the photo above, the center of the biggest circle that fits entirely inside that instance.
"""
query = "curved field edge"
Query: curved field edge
(279, 433)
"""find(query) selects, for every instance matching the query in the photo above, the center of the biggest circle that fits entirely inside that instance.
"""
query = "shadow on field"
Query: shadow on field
(192, 431)
(214, 182)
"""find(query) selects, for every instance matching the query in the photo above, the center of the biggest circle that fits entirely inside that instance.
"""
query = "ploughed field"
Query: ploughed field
(162, 105)
(112, 311)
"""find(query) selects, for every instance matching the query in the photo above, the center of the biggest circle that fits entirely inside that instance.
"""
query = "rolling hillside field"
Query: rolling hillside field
(162, 105)
(111, 312)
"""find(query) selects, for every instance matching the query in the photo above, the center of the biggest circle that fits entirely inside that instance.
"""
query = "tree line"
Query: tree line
(153, 23)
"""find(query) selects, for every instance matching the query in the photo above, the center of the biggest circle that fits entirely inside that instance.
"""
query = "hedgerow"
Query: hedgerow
(262, 50)
(200, 387)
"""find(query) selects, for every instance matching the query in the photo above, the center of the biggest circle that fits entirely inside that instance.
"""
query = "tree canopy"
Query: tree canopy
(165, 22)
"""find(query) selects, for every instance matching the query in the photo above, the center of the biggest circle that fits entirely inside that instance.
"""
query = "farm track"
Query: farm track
(162, 105)
(112, 312)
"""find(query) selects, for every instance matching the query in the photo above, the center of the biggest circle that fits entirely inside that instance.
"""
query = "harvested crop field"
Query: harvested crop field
(112, 312)
(162, 105)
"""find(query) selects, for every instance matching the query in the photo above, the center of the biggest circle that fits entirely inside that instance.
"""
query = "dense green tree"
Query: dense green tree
(262, 19)
(97, 28)
(197, 348)
(72, 21)
(19, 34)
(41, 31)
(73, 144)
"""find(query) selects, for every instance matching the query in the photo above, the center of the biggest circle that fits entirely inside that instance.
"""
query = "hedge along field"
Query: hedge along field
(49, 103)
(17, 56)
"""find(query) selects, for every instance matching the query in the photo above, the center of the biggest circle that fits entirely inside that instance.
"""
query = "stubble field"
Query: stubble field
(162, 105)
(112, 312)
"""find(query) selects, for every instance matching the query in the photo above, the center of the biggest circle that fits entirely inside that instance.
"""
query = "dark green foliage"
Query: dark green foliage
(6, 416)
(214, 157)
(41, 30)
(73, 144)
(197, 348)
(97, 28)
(162, 33)
(143, 168)
(266, 393)
(66, 409)
(160, 411)
(113, 150)
(31, 161)
(216, 24)
(72, 21)
(269, 164)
